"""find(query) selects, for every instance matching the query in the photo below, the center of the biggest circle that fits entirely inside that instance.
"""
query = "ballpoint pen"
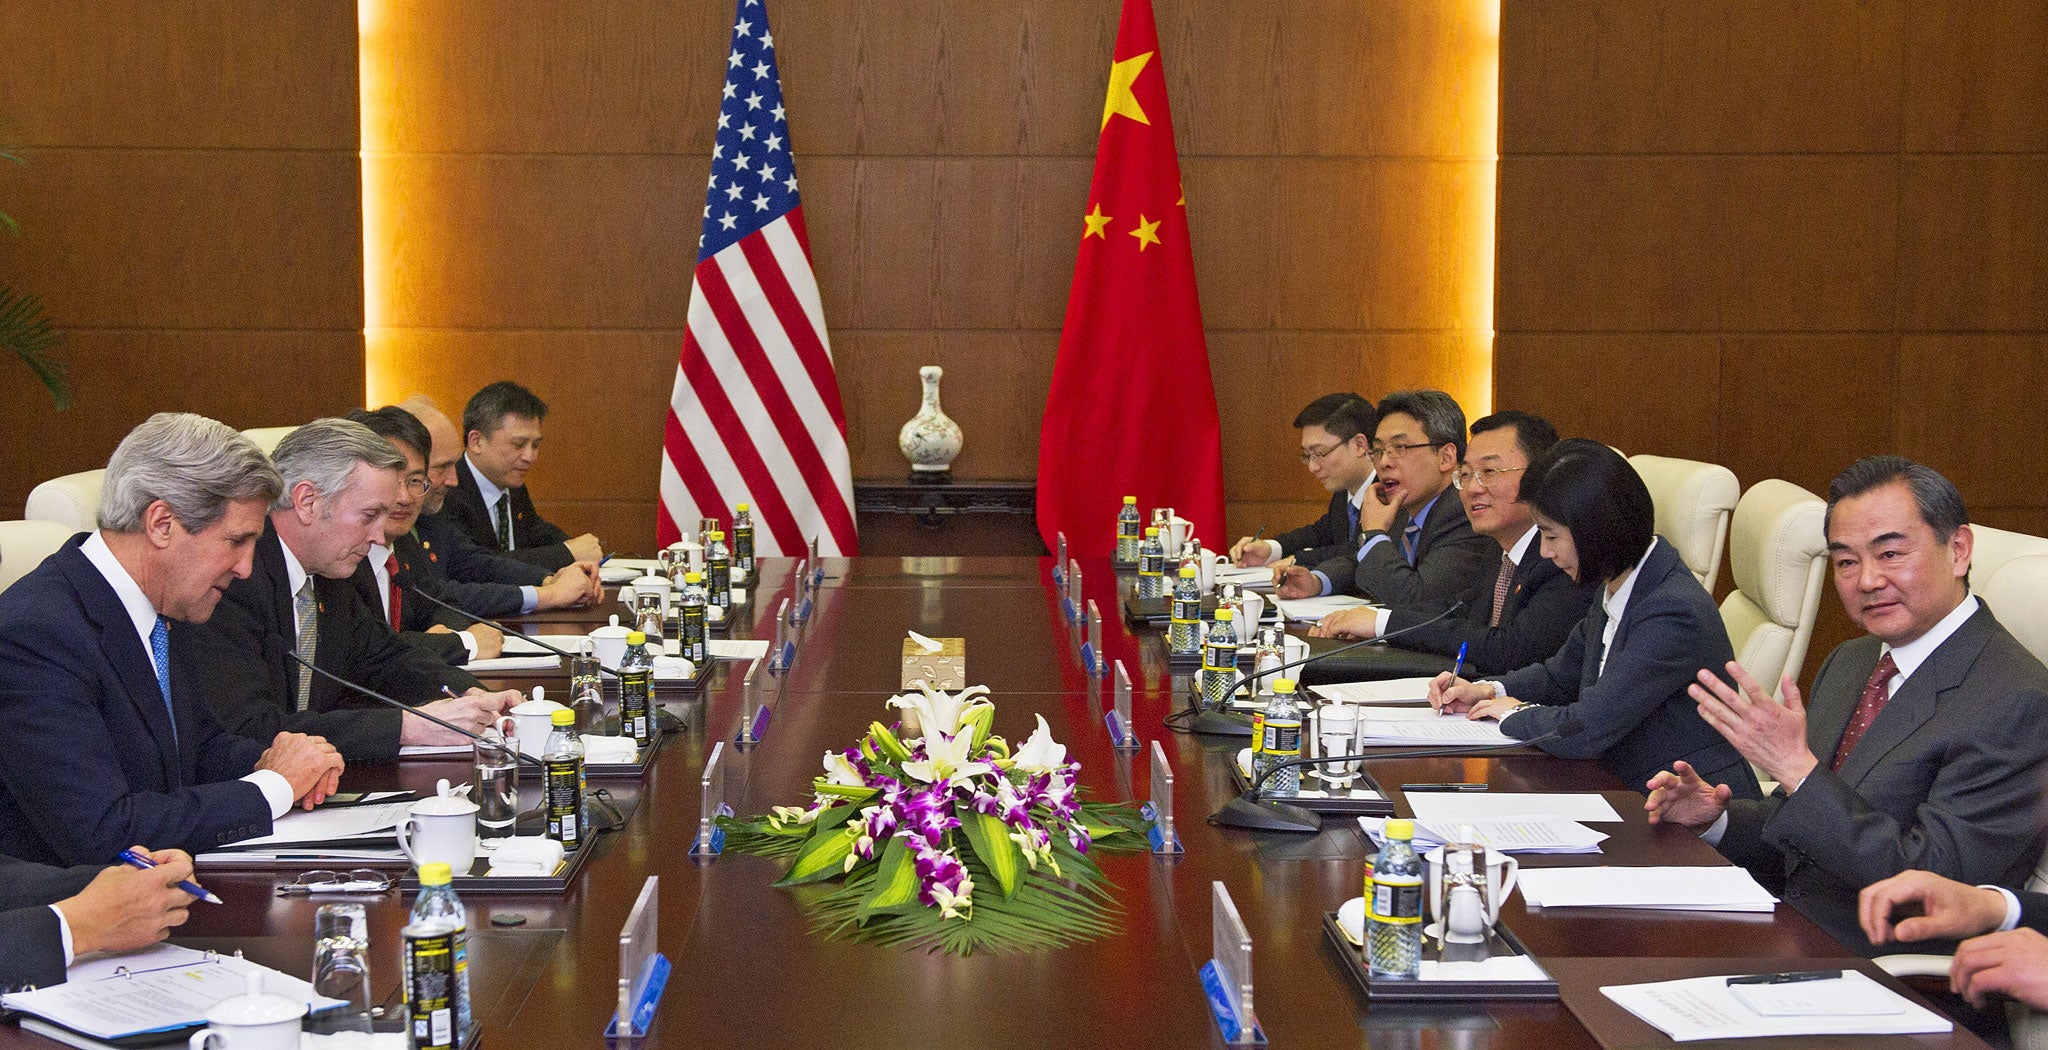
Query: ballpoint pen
(140, 860)
(1458, 668)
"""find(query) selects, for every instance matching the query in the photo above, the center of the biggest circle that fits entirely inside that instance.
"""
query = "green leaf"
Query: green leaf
(821, 858)
(26, 333)
(895, 882)
(891, 748)
(850, 792)
(992, 843)
(833, 816)
(981, 718)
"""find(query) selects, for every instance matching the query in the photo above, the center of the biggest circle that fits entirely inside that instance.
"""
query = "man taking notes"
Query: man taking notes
(1336, 435)
(111, 739)
(1518, 615)
(501, 432)
(340, 481)
(1926, 741)
(1415, 548)
(50, 916)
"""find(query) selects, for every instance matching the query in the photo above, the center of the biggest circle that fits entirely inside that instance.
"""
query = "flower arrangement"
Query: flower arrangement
(945, 839)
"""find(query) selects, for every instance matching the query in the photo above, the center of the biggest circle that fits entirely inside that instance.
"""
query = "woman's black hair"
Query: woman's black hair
(1589, 489)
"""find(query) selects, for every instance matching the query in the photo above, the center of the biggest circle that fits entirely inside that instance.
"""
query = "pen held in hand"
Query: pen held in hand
(138, 860)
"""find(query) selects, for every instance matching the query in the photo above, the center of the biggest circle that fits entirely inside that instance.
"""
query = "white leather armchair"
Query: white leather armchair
(266, 438)
(1778, 552)
(72, 500)
(24, 545)
(1694, 501)
(1995, 547)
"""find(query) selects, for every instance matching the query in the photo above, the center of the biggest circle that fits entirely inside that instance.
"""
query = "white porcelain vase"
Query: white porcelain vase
(930, 441)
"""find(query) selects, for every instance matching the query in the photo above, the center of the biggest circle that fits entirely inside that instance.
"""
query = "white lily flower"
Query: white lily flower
(953, 905)
(1040, 754)
(937, 711)
(839, 770)
(946, 756)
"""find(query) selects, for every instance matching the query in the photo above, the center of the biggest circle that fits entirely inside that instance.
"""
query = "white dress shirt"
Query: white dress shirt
(1617, 603)
(277, 791)
(1513, 554)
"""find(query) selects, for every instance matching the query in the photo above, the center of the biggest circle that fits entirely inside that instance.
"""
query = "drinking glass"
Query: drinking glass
(341, 966)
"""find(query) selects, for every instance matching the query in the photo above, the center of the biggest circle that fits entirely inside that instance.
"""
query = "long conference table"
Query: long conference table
(747, 970)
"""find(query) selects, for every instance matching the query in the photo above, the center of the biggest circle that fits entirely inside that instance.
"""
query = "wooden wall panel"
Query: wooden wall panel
(1807, 232)
(535, 184)
(191, 217)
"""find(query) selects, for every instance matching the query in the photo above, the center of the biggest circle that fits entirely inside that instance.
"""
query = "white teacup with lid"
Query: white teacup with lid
(441, 829)
(533, 720)
(254, 1020)
(610, 642)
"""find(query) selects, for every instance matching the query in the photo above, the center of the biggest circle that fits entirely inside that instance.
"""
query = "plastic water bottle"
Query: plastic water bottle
(743, 538)
(717, 570)
(1219, 661)
(1279, 729)
(1267, 656)
(563, 761)
(1151, 566)
(1393, 936)
(696, 644)
(436, 963)
(636, 691)
(1183, 633)
(1127, 530)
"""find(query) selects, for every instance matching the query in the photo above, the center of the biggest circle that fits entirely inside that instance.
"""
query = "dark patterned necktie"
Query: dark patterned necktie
(1867, 706)
(1500, 588)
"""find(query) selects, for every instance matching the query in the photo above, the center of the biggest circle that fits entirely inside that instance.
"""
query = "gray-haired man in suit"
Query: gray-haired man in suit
(1926, 741)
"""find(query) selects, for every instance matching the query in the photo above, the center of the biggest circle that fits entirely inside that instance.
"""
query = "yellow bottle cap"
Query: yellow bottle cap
(1223, 614)
(1283, 685)
(1151, 530)
(1400, 828)
(742, 508)
(436, 873)
(1130, 501)
(693, 577)
(564, 717)
(716, 535)
(636, 637)
(1187, 572)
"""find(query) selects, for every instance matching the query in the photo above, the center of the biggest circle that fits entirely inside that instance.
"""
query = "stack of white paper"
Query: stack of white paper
(343, 832)
(1710, 1008)
(164, 988)
(738, 648)
(1723, 888)
(520, 645)
(1391, 691)
(1411, 726)
(1450, 808)
(501, 664)
(1538, 836)
(1309, 610)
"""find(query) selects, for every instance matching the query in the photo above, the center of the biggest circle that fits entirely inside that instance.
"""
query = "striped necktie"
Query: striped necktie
(308, 609)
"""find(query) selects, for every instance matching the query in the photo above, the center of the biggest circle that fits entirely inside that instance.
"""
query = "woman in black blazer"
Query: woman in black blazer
(1630, 710)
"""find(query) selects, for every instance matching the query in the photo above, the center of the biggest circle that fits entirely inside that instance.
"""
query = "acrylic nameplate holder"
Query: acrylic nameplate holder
(710, 840)
(1227, 977)
(1059, 558)
(784, 651)
(1091, 646)
(801, 611)
(1074, 608)
(1118, 717)
(643, 969)
(753, 713)
(1160, 809)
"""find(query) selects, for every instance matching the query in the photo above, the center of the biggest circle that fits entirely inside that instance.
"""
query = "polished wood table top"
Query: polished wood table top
(748, 971)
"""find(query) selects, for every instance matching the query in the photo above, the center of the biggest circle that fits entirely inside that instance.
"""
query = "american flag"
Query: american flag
(754, 417)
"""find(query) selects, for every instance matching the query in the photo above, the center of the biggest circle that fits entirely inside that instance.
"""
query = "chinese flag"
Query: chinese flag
(1132, 410)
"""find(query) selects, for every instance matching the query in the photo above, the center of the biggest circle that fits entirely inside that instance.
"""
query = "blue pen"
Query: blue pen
(1459, 667)
(601, 561)
(138, 860)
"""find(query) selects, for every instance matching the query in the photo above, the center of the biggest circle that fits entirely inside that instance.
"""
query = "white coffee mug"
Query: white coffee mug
(610, 641)
(652, 584)
(441, 828)
(533, 721)
(253, 1020)
(1501, 873)
(1254, 605)
(1293, 648)
(1177, 530)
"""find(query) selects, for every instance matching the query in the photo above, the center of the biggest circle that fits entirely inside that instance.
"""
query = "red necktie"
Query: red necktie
(397, 592)
(1500, 589)
(1867, 706)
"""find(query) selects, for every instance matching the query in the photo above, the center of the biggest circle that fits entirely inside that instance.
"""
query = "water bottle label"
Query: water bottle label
(1258, 732)
(635, 701)
(1397, 901)
(1282, 738)
(564, 801)
(1187, 610)
(430, 989)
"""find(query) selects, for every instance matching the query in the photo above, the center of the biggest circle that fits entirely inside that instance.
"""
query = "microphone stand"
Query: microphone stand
(1248, 810)
(1227, 723)
(488, 622)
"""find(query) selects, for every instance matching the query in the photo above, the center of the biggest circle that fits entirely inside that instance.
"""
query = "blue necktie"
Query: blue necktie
(1409, 537)
(160, 652)
(1351, 515)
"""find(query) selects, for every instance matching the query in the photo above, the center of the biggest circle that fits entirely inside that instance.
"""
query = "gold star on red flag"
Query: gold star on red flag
(1146, 233)
(1097, 222)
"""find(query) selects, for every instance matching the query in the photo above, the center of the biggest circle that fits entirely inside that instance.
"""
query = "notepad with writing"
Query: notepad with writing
(159, 989)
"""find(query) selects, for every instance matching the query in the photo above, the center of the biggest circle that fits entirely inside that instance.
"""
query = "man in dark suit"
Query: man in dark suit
(110, 739)
(1414, 546)
(1523, 611)
(340, 482)
(501, 434)
(1926, 741)
(49, 915)
(2006, 953)
(1336, 436)
(478, 580)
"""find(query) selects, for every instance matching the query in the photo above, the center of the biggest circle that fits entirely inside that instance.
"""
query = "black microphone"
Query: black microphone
(488, 622)
(1225, 723)
(278, 644)
(1248, 810)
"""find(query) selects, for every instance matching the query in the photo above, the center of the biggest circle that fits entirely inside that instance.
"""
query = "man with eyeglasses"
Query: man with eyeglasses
(1336, 430)
(1414, 547)
(381, 578)
(1522, 612)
